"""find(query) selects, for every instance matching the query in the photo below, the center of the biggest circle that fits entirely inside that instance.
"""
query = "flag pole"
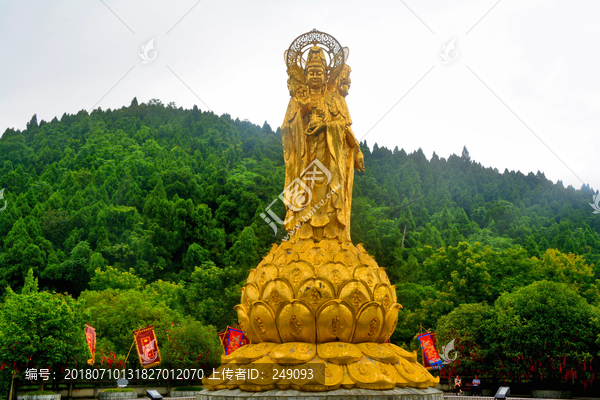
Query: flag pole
(134, 340)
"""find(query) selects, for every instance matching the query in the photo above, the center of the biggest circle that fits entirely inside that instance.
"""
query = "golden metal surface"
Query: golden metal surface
(251, 275)
(317, 375)
(330, 246)
(296, 322)
(238, 377)
(335, 273)
(432, 381)
(347, 257)
(400, 381)
(317, 301)
(347, 381)
(390, 321)
(389, 373)
(355, 292)
(407, 355)
(317, 256)
(237, 356)
(316, 291)
(378, 352)
(305, 245)
(244, 322)
(287, 257)
(339, 352)
(257, 351)
(412, 374)
(250, 293)
(335, 322)
(366, 274)
(368, 374)
(293, 353)
(368, 323)
(277, 292)
(262, 321)
(297, 272)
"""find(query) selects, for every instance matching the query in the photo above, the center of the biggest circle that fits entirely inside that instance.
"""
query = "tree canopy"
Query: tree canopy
(151, 214)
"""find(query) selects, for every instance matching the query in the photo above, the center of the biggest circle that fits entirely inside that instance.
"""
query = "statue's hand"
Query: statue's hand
(314, 129)
(359, 161)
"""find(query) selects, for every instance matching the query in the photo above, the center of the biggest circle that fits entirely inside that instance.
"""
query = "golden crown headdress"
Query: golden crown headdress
(330, 54)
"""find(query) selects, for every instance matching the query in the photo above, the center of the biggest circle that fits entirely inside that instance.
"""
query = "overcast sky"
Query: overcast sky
(522, 91)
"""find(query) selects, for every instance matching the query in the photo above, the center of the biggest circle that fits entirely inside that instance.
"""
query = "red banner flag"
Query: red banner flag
(232, 339)
(90, 337)
(434, 340)
(430, 353)
(147, 347)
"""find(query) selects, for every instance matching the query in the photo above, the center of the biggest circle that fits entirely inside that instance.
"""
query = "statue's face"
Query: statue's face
(345, 85)
(315, 77)
(290, 87)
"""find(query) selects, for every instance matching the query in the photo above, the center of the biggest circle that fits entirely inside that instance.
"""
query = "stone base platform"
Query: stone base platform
(340, 394)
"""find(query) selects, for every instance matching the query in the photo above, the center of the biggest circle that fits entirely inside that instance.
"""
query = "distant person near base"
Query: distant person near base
(476, 389)
(458, 385)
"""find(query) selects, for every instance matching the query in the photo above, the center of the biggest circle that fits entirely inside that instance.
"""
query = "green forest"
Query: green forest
(150, 215)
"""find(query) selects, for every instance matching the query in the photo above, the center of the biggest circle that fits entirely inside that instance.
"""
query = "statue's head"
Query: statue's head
(294, 85)
(343, 81)
(316, 68)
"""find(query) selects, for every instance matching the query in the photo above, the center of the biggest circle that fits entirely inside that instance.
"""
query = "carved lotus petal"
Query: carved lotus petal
(408, 355)
(296, 322)
(262, 320)
(293, 353)
(250, 293)
(266, 273)
(286, 257)
(297, 272)
(277, 292)
(383, 295)
(355, 293)
(411, 374)
(330, 246)
(244, 322)
(379, 352)
(335, 322)
(251, 275)
(334, 273)
(347, 258)
(383, 276)
(391, 319)
(366, 274)
(368, 323)
(315, 291)
(304, 246)
(339, 352)
(317, 256)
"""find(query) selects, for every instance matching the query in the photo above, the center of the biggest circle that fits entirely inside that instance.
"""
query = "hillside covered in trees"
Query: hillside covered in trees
(150, 214)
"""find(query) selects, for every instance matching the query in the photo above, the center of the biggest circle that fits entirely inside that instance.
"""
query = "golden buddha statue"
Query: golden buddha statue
(317, 302)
